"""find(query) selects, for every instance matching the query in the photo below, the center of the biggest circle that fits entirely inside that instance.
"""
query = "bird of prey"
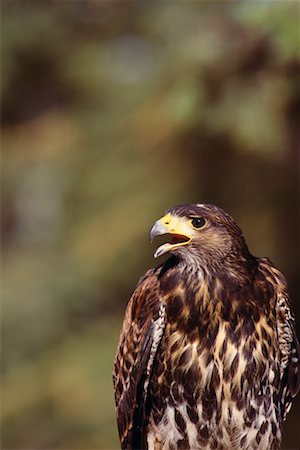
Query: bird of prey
(208, 356)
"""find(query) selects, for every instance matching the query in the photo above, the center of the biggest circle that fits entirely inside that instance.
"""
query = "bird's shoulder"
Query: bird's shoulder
(275, 278)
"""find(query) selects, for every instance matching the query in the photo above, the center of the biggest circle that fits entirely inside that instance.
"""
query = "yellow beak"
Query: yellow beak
(176, 226)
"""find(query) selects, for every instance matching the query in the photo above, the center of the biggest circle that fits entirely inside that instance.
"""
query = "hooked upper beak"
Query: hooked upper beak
(176, 226)
(158, 229)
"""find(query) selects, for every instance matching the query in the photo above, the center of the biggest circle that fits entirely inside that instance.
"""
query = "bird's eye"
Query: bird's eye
(198, 222)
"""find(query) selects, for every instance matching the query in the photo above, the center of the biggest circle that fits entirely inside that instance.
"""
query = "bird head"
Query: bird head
(203, 231)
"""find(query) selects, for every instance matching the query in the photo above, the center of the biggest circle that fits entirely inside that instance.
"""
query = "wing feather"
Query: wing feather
(142, 330)
(289, 348)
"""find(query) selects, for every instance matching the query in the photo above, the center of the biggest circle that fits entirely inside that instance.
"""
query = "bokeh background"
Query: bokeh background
(111, 113)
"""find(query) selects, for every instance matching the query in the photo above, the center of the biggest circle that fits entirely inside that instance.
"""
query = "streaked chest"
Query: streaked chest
(216, 370)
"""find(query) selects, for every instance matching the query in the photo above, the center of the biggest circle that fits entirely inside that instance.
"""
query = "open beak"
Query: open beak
(177, 227)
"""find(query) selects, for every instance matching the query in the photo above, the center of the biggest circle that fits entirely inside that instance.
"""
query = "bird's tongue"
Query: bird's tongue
(178, 239)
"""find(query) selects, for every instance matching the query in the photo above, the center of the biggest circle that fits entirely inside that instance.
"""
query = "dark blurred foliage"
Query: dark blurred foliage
(111, 113)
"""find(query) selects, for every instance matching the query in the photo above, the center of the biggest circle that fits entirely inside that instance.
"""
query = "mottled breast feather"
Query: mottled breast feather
(139, 339)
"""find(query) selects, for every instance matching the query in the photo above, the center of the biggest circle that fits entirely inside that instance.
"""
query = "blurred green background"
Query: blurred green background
(111, 113)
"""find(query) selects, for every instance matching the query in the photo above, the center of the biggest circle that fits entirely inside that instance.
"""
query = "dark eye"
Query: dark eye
(198, 222)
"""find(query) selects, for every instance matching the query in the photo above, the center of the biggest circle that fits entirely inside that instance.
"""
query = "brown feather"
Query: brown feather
(131, 361)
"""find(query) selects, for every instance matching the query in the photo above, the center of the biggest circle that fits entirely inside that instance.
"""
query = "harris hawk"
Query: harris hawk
(208, 356)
